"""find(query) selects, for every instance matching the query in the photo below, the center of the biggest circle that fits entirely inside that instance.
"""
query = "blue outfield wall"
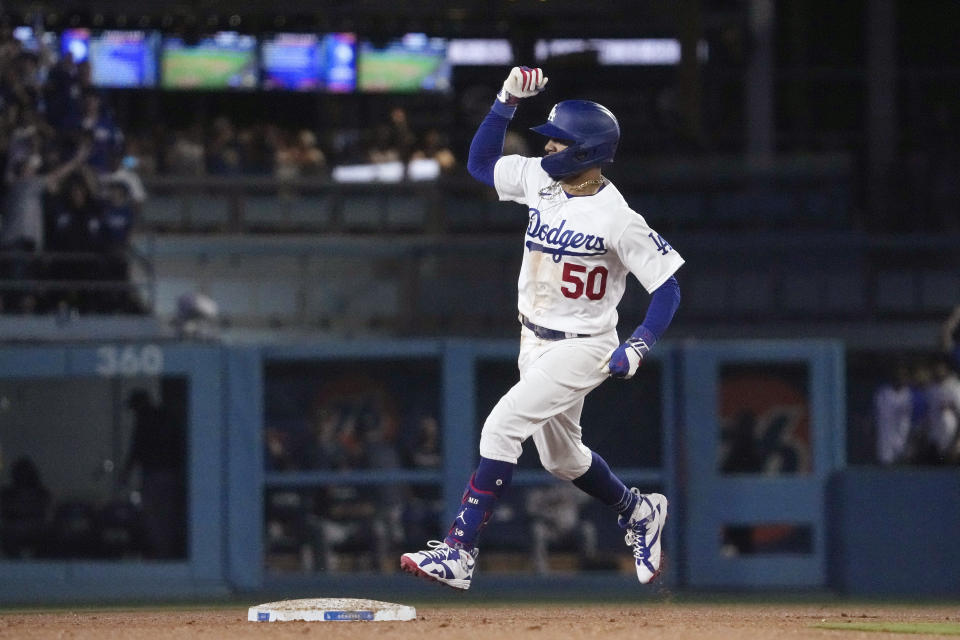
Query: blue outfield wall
(861, 519)
(895, 532)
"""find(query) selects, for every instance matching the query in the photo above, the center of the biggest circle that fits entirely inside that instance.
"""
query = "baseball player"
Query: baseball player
(581, 242)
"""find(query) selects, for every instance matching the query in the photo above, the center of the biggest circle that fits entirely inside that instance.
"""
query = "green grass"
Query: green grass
(202, 69)
(382, 73)
(939, 628)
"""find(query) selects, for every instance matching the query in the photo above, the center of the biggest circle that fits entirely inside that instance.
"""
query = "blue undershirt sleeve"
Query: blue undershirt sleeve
(487, 144)
(663, 304)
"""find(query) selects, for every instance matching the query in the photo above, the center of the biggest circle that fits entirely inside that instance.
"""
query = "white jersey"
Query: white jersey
(893, 411)
(578, 250)
(944, 401)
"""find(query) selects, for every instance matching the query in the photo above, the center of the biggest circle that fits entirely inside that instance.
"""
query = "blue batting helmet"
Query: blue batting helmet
(591, 131)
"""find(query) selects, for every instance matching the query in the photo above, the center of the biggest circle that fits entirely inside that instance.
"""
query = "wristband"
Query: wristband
(503, 109)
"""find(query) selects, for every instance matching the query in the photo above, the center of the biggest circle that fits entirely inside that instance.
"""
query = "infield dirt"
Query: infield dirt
(673, 621)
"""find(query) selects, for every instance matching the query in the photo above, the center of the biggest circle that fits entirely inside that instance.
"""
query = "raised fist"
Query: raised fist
(522, 82)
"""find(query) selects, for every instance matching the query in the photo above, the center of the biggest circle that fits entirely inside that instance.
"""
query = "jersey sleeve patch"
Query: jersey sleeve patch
(648, 255)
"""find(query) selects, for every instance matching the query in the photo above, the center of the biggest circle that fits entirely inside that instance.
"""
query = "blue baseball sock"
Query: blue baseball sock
(599, 482)
(485, 486)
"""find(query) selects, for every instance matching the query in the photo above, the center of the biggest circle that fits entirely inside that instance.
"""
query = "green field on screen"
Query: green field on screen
(393, 73)
(206, 69)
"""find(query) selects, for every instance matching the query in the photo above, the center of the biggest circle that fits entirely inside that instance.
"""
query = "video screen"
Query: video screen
(124, 58)
(309, 62)
(225, 60)
(412, 63)
(619, 51)
(479, 51)
(341, 62)
(75, 42)
(30, 42)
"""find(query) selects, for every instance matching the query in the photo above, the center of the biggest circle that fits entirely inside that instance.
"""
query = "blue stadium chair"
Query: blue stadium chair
(405, 212)
(467, 213)
(283, 213)
(264, 212)
(362, 212)
(208, 212)
(163, 212)
(310, 212)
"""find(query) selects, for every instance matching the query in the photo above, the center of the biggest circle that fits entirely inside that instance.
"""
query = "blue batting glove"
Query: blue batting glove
(624, 361)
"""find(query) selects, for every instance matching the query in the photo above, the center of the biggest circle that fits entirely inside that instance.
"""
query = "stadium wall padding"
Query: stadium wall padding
(890, 531)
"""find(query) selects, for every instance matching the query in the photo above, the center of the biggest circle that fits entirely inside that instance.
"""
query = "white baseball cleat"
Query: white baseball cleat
(643, 533)
(441, 563)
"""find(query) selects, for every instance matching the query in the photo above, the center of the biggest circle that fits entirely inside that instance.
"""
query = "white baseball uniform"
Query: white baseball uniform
(578, 251)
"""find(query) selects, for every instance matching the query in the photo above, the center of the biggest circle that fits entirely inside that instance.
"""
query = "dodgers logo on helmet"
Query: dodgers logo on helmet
(590, 130)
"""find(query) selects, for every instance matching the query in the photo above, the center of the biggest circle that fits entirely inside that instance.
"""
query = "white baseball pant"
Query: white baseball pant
(555, 376)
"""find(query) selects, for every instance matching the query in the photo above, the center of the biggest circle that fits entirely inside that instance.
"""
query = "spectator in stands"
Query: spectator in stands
(158, 451)
(258, 148)
(301, 158)
(391, 141)
(126, 171)
(73, 217)
(117, 217)
(943, 397)
(9, 46)
(435, 147)
(223, 148)
(423, 451)
(63, 95)
(24, 511)
(381, 148)
(339, 443)
(29, 178)
(141, 156)
(99, 126)
(20, 79)
(73, 226)
(25, 184)
(279, 453)
(186, 155)
(402, 137)
(892, 414)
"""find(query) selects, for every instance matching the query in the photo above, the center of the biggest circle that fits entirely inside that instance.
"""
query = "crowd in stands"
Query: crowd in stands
(72, 188)
(917, 409)
(69, 201)
(222, 148)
